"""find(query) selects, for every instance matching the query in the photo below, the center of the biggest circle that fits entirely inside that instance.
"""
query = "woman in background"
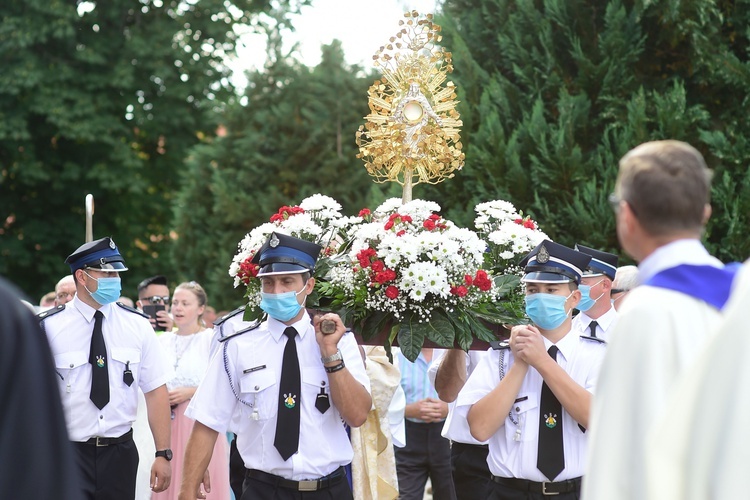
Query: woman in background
(188, 349)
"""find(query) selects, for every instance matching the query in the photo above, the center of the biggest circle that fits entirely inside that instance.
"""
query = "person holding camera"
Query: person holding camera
(153, 300)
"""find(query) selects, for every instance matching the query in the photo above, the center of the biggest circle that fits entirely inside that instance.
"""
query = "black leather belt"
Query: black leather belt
(310, 485)
(107, 441)
(545, 488)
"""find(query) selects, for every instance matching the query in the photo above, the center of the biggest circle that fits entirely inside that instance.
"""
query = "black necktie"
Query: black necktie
(550, 455)
(592, 327)
(98, 359)
(287, 417)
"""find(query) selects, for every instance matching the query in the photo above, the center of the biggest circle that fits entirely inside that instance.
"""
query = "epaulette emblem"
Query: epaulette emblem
(229, 315)
(133, 310)
(255, 324)
(499, 344)
(49, 312)
(594, 339)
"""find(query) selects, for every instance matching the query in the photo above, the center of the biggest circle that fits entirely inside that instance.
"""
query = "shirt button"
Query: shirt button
(518, 409)
(71, 365)
(257, 387)
(101, 417)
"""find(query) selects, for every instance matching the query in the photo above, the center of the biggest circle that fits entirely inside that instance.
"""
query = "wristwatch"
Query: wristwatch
(332, 357)
(165, 453)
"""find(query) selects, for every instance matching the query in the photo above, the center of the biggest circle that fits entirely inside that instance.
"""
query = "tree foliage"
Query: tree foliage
(291, 137)
(555, 91)
(106, 99)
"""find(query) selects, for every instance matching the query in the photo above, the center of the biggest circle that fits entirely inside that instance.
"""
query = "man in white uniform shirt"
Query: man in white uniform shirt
(597, 317)
(104, 351)
(289, 388)
(530, 397)
(661, 201)
(448, 373)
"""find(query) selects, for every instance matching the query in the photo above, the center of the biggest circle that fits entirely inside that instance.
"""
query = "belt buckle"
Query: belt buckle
(102, 443)
(544, 489)
(309, 485)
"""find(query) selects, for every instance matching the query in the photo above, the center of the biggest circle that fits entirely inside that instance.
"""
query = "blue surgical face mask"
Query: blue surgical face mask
(587, 302)
(107, 289)
(281, 306)
(547, 311)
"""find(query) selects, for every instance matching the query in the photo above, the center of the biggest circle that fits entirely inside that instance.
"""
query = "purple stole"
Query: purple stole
(712, 285)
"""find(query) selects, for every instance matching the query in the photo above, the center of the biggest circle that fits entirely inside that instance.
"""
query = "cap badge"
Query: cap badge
(542, 256)
(112, 245)
(274, 242)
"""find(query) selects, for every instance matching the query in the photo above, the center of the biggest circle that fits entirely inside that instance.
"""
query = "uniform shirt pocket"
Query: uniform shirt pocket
(124, 359)
(521, 424)
(314, 383)
(69, 366)
(258, 390)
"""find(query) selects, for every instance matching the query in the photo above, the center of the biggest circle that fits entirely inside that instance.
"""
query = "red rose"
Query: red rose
(391, 292)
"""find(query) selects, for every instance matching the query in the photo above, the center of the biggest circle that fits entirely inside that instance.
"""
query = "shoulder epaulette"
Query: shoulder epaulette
(221, 320)
(133, 310)
(594, 339)
(499, 344)
(255, 324)
(49, 312)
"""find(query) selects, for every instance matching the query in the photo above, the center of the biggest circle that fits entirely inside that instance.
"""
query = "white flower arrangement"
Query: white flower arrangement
(414, 273)
(317, 218)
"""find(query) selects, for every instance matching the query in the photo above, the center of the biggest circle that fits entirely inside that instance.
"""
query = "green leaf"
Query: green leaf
(439, 329)
(411, 335)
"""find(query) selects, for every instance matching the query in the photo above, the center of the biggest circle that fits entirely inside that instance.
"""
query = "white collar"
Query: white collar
(687, 251)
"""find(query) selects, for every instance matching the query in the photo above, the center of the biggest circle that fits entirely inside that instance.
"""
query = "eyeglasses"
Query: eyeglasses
(156, 299)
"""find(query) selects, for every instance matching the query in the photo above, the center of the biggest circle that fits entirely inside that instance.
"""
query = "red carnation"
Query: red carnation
(459, 291)
(401, 233)
(429, 224)
(388, 225)
(378, 266)
(364, 212)
(247, 270)
(468, 280)
(482, 282)
(529, 224)
(391, 292)
(518, 221)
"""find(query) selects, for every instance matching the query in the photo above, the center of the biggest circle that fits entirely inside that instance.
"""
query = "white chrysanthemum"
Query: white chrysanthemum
(419, 209)
(301, 225)
(327, 206)
(389, 206)
(423, 278)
